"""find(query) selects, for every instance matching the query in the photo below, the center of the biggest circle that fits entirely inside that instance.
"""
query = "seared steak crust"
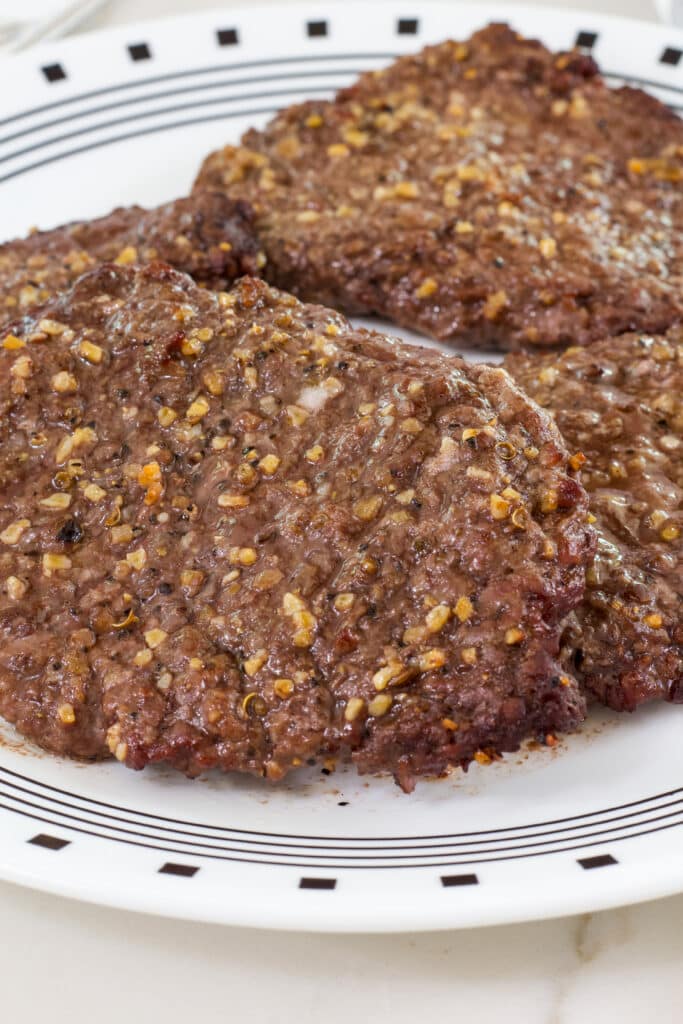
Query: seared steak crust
(489, 193)
(206, 235)
(237, 532)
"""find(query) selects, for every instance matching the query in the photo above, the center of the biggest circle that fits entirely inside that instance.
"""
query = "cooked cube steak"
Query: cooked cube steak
(207, 235)
(235, 531)
(619, 404)
(490, 193)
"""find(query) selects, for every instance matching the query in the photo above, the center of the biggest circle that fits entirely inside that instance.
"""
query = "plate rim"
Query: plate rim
(385, 916)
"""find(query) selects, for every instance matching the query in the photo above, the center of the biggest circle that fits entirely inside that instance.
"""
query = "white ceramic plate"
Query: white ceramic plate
(125, 116)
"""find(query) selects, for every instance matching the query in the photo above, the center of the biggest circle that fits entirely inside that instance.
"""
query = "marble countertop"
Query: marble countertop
(69, 963)
(617, 967)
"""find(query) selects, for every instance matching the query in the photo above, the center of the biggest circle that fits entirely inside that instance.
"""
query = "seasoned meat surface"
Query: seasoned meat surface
(489, 193)
(206, 235)
(235, 531)
(619, 404)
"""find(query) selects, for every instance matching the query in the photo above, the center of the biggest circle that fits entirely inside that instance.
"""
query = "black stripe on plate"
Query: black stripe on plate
(363, 867)
(136, 135)
(407, 26)
(270, 62)
(188, 73)
(212, 101)
(327, 853)
(181, 870)
(454, 880)
(671, 56)
(586, 40)
(227, 37)
(48, 842)
(261, 837)
(139, 51)
(316, 29)
(602, 860)
(317, 883)
(54, 72)
(201, 87)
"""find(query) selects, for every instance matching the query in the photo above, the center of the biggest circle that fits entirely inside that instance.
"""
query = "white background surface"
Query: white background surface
(69, 963)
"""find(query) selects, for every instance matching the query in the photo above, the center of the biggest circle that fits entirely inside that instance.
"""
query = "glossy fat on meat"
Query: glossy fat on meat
(619, 407)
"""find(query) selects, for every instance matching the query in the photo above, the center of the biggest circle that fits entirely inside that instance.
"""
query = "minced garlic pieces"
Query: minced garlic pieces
(137, 559)
(368, 508)
(463, 609)
(53, 328)
(121, 534)
(197, 410)
(428, 288)
(314, 454)
(64, 383)
(548, 248)
(94, 493)
(304, 622)
(233, 500)
(22, 368)
(296, 415)
(81, 436)
(414, 634)
(384, 676)
(500, 507)
(12, 343)
(256, 662)
(549, 501)
(242, 556)
(13, 532)
(269, 464)
(380, 704)
(16, 588)
(91, 353)
(66, 714)
(437, 618)
(513, 636)
(405, 497)
(58, 501)
(432, 659)
(354, 707)
(149, 477)
(576, 461)
(283, 688)
(127, 256)
(343, 602)
(155, 637)
(53, 562)
(116, 746)
(495, 304)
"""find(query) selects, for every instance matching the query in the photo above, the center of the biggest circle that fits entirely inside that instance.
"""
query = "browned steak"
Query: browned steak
(236, 531)
(207, 235)
(488, 192)
(620, 405)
